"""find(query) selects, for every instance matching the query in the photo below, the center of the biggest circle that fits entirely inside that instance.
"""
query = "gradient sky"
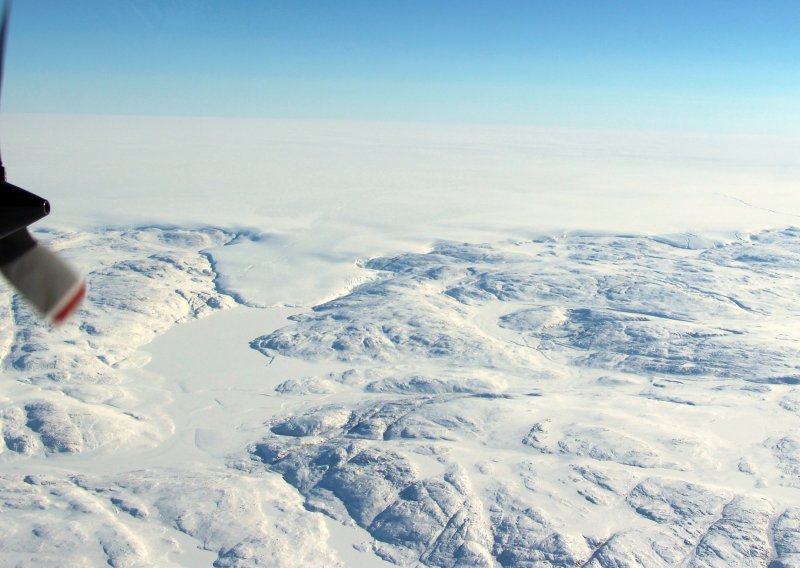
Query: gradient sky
(700, 65)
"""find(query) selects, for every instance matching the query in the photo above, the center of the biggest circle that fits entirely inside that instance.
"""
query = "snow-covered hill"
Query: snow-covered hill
(616, 401)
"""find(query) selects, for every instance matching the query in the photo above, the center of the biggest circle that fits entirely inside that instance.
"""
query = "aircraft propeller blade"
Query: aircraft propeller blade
(3, 40)
(48, 283)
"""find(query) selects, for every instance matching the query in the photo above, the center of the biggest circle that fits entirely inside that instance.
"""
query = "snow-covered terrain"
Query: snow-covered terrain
(366, 345)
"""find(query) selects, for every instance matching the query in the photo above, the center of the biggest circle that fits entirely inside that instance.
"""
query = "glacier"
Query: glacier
(406, 345)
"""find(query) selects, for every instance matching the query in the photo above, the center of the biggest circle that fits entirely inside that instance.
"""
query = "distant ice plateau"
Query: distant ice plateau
(573, 399)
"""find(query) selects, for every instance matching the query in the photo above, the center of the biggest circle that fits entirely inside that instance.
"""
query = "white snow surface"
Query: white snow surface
(366, 344)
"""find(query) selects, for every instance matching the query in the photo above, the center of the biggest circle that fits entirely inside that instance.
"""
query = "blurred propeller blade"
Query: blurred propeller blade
(3, 37)
(47, 282)
(3, 40)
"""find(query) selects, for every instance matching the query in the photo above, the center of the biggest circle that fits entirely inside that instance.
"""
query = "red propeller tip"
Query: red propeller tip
(71, 305)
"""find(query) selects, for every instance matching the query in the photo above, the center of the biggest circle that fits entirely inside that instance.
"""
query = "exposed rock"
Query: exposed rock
(786, 537)
(739, 537)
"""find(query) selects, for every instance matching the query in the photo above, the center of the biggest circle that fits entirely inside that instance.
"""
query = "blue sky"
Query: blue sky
(702, 65)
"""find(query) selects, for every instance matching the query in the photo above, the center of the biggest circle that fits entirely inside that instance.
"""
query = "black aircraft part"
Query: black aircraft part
(19, 208)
